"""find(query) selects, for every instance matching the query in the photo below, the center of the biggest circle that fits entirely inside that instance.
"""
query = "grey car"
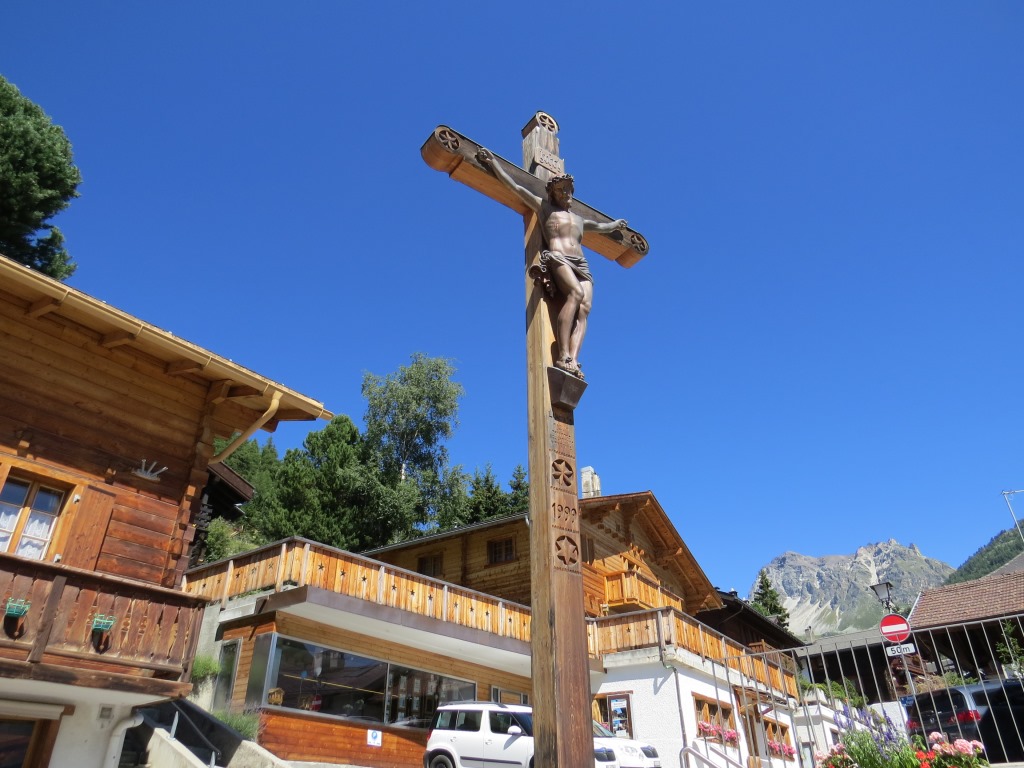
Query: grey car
(990, 712)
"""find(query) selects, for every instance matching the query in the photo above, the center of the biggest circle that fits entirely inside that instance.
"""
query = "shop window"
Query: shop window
(28, 516)
(298, 675)
(613, 711)
(430, 565)
(501, 551)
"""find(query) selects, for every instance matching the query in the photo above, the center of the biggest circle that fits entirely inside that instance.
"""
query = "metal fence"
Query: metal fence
(963, 681)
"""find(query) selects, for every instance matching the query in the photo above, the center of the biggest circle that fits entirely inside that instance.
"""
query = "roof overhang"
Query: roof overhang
(114, 328)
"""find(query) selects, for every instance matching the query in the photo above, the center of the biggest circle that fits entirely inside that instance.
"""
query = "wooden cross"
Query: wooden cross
(560, 663)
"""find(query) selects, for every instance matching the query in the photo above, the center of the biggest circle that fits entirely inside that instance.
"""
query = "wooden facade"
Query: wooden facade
(107, 429)
(633, 558)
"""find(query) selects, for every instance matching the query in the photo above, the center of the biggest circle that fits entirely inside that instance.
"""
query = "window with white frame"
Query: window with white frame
(28, 517)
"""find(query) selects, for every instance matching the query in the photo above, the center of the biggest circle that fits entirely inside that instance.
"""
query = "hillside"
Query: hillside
(1001, 549)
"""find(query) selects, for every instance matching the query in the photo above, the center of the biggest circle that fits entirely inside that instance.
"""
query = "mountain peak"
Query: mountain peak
(832, 594)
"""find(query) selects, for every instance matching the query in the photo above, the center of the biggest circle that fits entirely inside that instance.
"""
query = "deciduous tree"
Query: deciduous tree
(410, 414)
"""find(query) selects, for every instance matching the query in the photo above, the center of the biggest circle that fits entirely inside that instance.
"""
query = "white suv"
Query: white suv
(628, 752)
(470, 734)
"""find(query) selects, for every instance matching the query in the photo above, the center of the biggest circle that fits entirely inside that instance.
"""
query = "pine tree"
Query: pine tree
(519, 492)
(37, 181)
(767, 602)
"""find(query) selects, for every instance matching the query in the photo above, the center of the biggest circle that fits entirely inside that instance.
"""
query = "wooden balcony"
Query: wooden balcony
(298, 562)
(85, 628)
(631, 591)
(670, 628)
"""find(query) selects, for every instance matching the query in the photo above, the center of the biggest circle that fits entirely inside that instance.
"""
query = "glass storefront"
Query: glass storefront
(300, 675)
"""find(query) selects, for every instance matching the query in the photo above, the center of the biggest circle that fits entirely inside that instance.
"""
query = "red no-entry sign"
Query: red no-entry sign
(894, 628)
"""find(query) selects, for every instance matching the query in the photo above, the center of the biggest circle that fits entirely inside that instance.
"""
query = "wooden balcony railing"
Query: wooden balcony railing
(74, 618)
(669, 627)
(299, 562)
(632, 590)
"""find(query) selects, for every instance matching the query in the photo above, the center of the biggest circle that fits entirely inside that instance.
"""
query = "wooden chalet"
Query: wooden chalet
(107, 428)
(634, 559)
(347, 655)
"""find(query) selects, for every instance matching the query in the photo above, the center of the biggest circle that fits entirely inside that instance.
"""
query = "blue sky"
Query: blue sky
(823, 348)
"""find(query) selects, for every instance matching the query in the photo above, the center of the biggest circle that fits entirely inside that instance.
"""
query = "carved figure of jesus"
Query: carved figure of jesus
(562, 257)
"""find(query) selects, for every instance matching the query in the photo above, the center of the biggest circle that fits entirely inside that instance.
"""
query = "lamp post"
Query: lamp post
(883, 591)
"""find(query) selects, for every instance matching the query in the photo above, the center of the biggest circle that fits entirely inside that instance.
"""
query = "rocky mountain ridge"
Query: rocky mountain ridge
(832, 594)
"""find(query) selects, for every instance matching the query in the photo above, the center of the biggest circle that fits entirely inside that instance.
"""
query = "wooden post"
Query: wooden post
(563, 734)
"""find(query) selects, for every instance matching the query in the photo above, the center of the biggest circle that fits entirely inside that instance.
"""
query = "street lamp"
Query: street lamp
(883, 591)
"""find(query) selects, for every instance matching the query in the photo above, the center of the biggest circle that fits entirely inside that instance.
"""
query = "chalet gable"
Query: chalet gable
(634, 528)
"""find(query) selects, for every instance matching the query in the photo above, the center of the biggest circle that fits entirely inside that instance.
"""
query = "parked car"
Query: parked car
(477, 734)
(628, 752)
(1002, 725)
(990, 712)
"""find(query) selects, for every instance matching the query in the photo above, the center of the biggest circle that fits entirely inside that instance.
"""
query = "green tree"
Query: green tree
(409, 415)
(360, 491)
(39, 180)
(519, 492)
(223, 539)
(261, 467)
(1010, 650)
(451, 502)
(486, 499)
(327, 493)
(767, 602)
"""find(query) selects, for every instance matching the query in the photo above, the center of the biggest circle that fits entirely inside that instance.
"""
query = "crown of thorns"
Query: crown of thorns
(565, 178)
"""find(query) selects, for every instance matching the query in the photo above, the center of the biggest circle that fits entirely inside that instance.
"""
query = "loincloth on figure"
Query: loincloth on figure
(542, 272)
(578, 264)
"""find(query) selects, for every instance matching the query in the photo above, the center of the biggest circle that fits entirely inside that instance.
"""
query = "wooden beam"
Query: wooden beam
(218, 392)
(448, 151)
(183, 366)
(85, 678)
(117, 338)
(238, 391)
(43, 306)
(289, 414)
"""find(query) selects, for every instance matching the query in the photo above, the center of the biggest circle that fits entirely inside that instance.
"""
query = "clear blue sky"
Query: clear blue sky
(823, 348)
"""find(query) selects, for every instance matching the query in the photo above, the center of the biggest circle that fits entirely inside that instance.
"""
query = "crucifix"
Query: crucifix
(559, 288)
